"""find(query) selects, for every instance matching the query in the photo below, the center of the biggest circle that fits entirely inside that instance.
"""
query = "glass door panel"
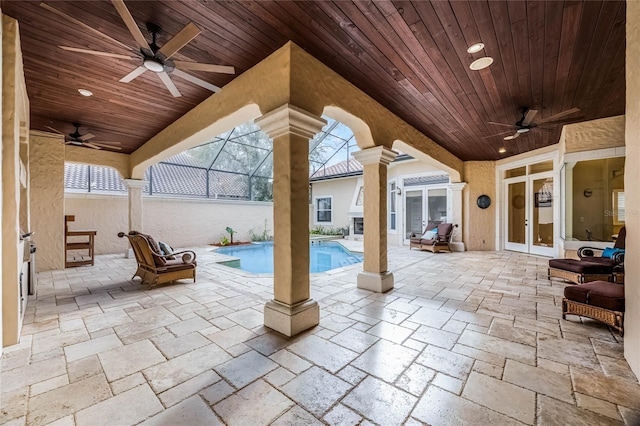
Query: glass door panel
(414, 223)
(542, 228)
(437, 205)
(516, 214)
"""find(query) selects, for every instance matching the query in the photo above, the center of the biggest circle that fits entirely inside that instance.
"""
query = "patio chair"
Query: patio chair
(434, 242)
(594, 264)
(154, 267)
(600, 300)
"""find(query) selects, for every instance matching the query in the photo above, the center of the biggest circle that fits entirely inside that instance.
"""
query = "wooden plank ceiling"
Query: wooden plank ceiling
(409, 56)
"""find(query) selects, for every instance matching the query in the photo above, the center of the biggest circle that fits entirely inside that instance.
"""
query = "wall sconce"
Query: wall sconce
(399, 191)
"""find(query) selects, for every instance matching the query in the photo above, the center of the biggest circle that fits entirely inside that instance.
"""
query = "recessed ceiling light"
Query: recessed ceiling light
(509, 138)
(502, 150)
(85, 92)
(482, 63)
(475, 48)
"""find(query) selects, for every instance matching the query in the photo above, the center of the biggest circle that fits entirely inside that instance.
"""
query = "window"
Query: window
(323, 210)
(392, 206)
(618, 207)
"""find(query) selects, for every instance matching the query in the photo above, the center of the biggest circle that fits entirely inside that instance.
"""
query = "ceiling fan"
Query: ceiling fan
(77, 139)
(150, 56)
(526, 124)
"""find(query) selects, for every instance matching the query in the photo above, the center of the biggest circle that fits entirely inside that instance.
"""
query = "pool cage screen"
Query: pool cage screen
(237, 165)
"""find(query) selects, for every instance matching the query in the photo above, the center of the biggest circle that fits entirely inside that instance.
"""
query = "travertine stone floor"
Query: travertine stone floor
(464, 338)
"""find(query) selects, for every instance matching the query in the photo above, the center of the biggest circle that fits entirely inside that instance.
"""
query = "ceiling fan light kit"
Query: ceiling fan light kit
(152, 64)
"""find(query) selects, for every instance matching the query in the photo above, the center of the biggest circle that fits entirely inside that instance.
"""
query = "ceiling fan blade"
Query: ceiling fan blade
(170, 84)
(83, 25)
(500, 124)
(55, 131)
(98, 53)
(497, 134)
(563, 121)
(528, 117)
(86, 137)
(512, 137)
(130, 23)
(196, 80)
(178, 41)
(108, 143)
(133, 74)
(558, 116)
(196, 66)
(90, 145)
(103, 145)
(69, 143)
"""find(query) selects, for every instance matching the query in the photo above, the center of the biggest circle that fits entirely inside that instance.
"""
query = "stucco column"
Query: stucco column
(455, 214)
(375, 276)
(291, 311)
(134, 187)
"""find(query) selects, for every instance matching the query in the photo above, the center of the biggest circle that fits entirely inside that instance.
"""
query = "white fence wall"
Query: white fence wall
(178, 222)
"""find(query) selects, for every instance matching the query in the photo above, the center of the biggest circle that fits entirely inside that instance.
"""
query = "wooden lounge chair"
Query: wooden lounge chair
(156, 268)
(441, 240)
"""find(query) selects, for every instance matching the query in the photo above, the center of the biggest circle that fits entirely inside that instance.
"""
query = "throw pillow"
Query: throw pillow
(430, 235)
(610, 252)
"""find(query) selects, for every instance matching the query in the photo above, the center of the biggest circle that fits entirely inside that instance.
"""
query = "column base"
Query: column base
(128, 254)
(457, 246)
(380, 283)
(291, 319)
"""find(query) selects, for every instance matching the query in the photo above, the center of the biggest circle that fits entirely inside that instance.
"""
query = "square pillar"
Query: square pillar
(134, 188)
(375, 276)
(291, 311)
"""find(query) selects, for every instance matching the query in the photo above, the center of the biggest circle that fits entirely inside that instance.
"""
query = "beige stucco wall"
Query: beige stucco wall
(15, 116)
(479, 230)
(342, 191)
(47, 199)
(632, 192)
(178, 222)
(594, 134)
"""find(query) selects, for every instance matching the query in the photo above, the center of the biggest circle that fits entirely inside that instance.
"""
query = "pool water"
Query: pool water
(324, 256)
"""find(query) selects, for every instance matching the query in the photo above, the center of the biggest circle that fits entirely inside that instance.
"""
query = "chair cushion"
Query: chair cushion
(429, 235)
(601, 260)
(602, 294)
(580, 266)
(444, 229)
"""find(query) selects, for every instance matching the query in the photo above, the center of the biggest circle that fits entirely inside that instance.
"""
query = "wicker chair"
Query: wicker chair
(441, 241)
(154, 267)
(600, 300)
(591, 265)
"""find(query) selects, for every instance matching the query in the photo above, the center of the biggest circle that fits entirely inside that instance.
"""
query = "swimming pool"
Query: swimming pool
(258, 257)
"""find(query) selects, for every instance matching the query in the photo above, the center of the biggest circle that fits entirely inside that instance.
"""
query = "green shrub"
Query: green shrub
(224, 241)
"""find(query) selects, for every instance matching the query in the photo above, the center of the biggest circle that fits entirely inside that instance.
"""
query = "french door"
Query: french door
(529, 218)
(423, 205)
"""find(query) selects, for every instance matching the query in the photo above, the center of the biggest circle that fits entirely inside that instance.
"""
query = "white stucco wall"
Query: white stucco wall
(178, 222)
(342, 191)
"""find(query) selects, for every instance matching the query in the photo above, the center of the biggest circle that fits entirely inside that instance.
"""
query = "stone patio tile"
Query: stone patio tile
(552, 412)
(248, 318)
(146, 319)
(217, 392)
(129, 359)
(380, 312)
(168, 374)
(631, 417)
(60, 402)
(290, 361)
(91, 347)
(185, 389)
(415, 379)
(598, 406)
(615, 367)
(106, 320)
(445, 361)
(14, 405)
(126, 383)
(269, 343)
(129, 407)
(572, 353)
(258, 403)
(172, 347)
(513, 334)
(83, 368)
(540, 380)
(316, 390)
(188, 326)
(296, 416)
(433, 336)
(246, 368)
(50, 343)
(279, 377)
(618, 390)
(448, 383)
(430, 317)
(48, 385)
(323, 353)
(231, 336)
(190, 412)
(391, 332)
(498, 346)
(32, 373)
(355, 340)
(480, 355)
(385, 360)
(488, 369)
(613, 350)
(352, 375)
(505, 398)
(373, 398)
(340, 415)
(336, 323)
(473, 318)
